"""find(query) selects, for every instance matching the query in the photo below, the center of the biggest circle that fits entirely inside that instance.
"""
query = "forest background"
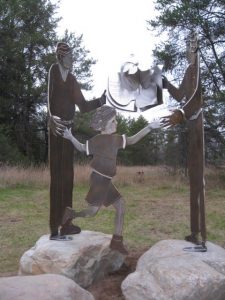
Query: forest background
(27, 50)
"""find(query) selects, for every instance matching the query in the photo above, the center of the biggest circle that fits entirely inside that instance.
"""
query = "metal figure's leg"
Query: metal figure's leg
(117, 238)
(69, 214)
(202, 216)
(119, 217)
(201, 246)
(88, 212)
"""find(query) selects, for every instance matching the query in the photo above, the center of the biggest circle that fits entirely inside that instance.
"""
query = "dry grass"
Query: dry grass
(17, 176)
(39, 177)
(157, 175)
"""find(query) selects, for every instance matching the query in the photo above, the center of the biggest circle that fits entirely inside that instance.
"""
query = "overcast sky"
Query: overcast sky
(112, 30)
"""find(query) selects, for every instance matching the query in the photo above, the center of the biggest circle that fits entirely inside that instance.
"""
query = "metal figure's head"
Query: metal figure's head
(104, 120)
(192, 47)
(64, 55)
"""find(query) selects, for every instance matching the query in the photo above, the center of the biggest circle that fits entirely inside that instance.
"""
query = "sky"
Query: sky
(112, 30)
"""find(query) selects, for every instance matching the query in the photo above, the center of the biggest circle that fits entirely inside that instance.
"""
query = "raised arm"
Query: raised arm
(131, 140)
(177, 93)
(68, 135)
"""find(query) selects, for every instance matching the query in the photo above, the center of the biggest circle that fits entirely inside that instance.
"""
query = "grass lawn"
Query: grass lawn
(157, 207)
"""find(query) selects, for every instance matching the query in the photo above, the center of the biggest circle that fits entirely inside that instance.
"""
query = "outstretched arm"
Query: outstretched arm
(130, 140)
(68, 135)
(176, 93)
(86, 106)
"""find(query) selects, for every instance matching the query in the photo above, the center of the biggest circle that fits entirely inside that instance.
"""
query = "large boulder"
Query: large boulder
(85, 259)
(44, 287)
(167, 272)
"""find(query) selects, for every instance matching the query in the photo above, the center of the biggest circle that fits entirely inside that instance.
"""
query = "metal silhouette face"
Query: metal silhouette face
(192, 48)
(111, 126)
(67, 61)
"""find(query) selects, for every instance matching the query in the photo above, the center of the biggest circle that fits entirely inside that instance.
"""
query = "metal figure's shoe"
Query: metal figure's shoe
(69, 229)
(67, 225)
(117, 244)
(193, 238)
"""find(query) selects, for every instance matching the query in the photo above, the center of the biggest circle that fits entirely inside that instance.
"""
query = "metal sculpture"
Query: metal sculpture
(63, 94)
(104, 147)
(191, 113)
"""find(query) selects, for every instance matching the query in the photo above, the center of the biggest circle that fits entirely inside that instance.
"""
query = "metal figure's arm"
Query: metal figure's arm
(176, 93)
(50, 87)
(131, 140)
(194, 102)
(54, 122)
(86, 106)
(67, 134)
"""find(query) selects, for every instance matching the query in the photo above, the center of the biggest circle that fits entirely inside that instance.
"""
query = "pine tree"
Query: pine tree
(27, 49)
(174, 22)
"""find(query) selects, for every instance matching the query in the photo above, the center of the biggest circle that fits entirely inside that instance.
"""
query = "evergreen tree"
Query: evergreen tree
(148, 151)
(175, 20)
(25, 41)
(138, 152)
(27, 50)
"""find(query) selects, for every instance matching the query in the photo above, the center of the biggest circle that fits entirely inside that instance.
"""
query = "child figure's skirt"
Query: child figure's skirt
(102, 191)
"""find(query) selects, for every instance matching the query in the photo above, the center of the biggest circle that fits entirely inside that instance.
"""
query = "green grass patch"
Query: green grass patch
(153, 213)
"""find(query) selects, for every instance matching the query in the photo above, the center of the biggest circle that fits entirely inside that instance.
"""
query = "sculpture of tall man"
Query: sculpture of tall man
(63, 94)
(191, 114)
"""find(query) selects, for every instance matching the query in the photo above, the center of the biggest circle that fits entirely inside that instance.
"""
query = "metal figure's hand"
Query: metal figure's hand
(175, 118)
(103, 98)
(165, 82)
(56, 127)
(157, 123)
(67, 134)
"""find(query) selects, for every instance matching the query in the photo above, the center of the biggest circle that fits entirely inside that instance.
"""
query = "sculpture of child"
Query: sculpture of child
(104, 147)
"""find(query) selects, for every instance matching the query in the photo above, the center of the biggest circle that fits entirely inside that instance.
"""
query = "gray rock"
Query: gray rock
(44, 287)
(167, 272)
(85, 259)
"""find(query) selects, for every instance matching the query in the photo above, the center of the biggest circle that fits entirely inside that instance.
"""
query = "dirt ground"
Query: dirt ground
(110, 287)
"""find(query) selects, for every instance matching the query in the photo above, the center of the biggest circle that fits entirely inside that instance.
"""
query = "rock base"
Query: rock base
(44, 287)
(86, 259)
(166, 271)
